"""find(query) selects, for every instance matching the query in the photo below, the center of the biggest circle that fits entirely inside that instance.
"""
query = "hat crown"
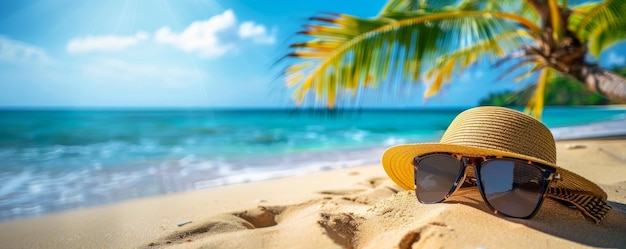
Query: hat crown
(498, 128)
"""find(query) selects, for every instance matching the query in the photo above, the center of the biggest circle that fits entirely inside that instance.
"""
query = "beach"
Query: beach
(312, 124)
(357, 207)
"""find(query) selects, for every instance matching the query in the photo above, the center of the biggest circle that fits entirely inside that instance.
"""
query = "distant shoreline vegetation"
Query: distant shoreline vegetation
(561, 91)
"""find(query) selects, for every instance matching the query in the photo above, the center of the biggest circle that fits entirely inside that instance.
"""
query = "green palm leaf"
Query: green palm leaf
(345, 60)
(605, 36)
(579, 12)
(423, 6)
(555, 19)
(592, 17)
(345, 54)
(403, 6)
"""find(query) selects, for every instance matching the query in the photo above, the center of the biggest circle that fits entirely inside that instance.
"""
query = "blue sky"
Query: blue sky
(183, 53)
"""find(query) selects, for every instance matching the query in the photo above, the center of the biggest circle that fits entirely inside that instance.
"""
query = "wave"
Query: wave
(60, 161)
(37, 192)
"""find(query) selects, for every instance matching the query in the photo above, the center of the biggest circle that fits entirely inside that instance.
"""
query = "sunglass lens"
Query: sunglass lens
(511, 187)
(435, 176)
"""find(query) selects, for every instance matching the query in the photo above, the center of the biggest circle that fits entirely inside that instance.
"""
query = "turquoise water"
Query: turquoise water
(59, 160)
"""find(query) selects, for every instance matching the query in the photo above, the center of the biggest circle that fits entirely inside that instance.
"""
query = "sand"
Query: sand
(349, 208)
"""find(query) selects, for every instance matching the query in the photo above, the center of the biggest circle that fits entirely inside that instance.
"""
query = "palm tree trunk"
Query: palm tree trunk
(605, 82)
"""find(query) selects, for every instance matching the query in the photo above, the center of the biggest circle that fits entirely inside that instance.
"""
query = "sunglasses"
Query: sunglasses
(509, 186)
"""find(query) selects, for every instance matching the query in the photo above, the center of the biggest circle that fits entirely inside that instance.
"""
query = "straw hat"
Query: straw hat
(498, 131)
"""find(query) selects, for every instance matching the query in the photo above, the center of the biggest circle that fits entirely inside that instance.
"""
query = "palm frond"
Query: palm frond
(422, 6)
(605, 36)
(522, 8)
(455, 62)
(578, 13)
(403, 6)
(606, 13)
(555, 18)
(345, 60)
(534, 63)
(444, 75)
(534, 107)
(536, 67)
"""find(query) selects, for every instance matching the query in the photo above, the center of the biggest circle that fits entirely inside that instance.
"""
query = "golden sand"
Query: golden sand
(348, 208)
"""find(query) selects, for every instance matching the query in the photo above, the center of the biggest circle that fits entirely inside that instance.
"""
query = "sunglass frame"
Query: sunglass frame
(548, 174)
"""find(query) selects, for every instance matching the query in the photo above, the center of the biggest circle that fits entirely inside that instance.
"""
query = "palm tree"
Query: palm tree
(434, 40)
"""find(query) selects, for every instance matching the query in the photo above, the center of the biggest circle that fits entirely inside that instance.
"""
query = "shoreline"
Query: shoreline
(43, 178)
(337, 159)
(317, 209)
(133, 220)
(305, 163)
(611, 129)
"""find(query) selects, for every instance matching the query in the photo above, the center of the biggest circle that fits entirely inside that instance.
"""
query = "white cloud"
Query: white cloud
(216, 36)
(210, 38)
(19, 52)
(257, 33)
(150, 75)
(104, 43)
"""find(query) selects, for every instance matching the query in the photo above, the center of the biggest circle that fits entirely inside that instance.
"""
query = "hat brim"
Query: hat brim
(398, 164)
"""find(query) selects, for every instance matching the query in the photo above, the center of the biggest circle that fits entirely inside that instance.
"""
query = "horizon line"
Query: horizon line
(256, 108)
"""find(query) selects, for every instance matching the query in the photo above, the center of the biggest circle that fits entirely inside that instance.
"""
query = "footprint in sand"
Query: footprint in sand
(226, 223)
(261, 216)
(334, 221)
(341, 227)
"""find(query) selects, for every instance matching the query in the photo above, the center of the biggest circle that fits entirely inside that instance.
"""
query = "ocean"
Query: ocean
(59, 160)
